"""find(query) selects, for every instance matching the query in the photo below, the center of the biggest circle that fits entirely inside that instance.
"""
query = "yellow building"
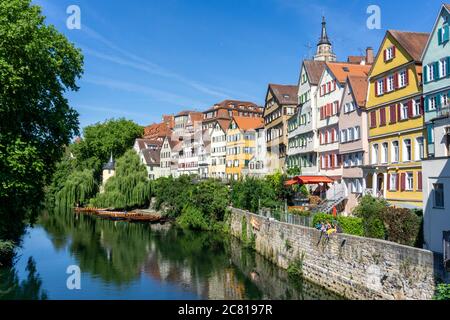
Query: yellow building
(241, 144)
(395, 116)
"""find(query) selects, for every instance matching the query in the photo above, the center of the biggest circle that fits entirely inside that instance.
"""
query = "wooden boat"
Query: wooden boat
(120, 215)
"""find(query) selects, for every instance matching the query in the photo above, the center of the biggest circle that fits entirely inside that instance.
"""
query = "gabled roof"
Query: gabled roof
(359, 86)
(342, 70)
(142, 143)
(445, 6)
(314, 70)
(224, 124)
(413, 42)
(285, 94)
(356, 59)
(151, 157)
(157, 130)
(246, 123)
(236, 105)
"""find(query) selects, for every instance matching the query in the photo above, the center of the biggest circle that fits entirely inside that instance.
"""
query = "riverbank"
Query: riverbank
(355, 267)
(121, 260)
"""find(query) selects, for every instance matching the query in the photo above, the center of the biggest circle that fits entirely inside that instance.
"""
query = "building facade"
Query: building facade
(219, 149)
(395, 109)
(281, 104)
(259, 163)
(241, 143)
(302, 127)
(353, 138)
(436, 74)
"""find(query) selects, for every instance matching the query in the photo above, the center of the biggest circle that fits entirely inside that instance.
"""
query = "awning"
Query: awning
(308, 180)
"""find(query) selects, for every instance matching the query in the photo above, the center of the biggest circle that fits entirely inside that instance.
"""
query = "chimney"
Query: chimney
(369, 55)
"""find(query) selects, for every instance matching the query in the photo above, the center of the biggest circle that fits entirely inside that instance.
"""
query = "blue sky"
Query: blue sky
(148, 58)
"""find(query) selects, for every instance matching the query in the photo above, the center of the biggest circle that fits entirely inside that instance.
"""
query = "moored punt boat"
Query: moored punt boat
(121, 215)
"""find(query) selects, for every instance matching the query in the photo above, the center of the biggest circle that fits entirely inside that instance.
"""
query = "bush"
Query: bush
(402, 226)
(211, 197)
(369, 210)
(442, 292)
(349, 225)
(192, 218)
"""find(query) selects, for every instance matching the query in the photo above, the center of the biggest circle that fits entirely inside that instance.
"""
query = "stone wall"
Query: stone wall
(355, 267)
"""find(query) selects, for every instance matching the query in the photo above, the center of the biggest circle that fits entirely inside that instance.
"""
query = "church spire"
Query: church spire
(324, 47)
(324, 36)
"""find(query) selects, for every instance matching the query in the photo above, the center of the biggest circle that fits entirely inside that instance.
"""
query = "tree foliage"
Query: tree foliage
(128, 188)
(77, 189)
(370, 210)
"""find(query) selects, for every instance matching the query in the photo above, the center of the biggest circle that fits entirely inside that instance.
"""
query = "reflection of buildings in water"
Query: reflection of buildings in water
(226, 286)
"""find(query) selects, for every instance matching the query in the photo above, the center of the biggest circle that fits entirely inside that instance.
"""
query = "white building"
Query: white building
(436, 186)
(258, 166)
(219, 149)
(166, 156)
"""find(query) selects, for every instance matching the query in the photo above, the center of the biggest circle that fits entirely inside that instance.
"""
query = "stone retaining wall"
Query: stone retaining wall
(355, 267)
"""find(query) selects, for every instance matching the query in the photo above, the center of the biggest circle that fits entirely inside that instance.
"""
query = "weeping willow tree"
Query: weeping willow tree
(79, 187)
(128, 188)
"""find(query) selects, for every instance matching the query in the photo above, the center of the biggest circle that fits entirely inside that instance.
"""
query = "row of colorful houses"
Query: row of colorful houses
(374, 124)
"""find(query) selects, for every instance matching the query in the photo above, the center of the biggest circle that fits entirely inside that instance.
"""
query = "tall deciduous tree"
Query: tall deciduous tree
(38, 65)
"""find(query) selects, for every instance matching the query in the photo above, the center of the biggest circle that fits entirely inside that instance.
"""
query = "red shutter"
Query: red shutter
(377, 93)
(332, 161)
(321, 113)
(334, 82)
(385, 55)
(398, 112)
(325, 133)
(394, 51)
(395, 81)
(419, 177)
(385, 85)
(393, 115)
(382, 117)
(338, 107)
(373, 119)
(410, 109)
(422, 101)
(388, 182)
(397, 187)
(407, 77)
(403, 182)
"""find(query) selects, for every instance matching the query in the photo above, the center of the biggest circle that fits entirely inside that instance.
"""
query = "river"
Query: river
(120, 260)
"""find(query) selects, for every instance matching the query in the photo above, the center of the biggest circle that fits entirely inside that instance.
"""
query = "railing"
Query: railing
(287, 217)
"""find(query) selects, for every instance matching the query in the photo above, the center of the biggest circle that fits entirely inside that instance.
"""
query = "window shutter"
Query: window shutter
(407, 78)
(425, 74)
(397, 187)
(446, 35)
(385, 85)
(382, 117)
(388, 184)
(422, 100)
(399, 117)
(410, 109)
(393, 115)
(419, 178)
(438, 101)
(377, 92)
(394, 51)
(436, 71)
(332, 161)
(426, 104)
(373, 119)
(448, 66)
(440, 36)
(403, 182)
(396, 81)
(385, 55)
(332, 136)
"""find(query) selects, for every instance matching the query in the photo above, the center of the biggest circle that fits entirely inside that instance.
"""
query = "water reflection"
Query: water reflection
(140, 261)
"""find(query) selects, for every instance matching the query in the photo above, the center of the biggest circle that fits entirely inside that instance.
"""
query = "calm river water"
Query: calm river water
(119, 260)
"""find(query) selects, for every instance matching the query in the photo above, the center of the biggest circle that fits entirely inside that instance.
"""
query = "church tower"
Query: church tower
(324, 47)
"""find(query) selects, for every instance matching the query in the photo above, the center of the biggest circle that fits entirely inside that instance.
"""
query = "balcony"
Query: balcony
(444, 111)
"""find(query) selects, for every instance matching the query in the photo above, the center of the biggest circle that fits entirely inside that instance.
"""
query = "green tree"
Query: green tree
(114, 136)
(369, 210)
(78, 188)
(38, 65)
(128, 188)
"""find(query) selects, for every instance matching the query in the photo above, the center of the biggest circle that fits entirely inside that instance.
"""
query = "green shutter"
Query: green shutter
(438, 101)
(427, 103)
(430, 133)
(446, 33)
(436, 71)
(448, 67)
(440, 36)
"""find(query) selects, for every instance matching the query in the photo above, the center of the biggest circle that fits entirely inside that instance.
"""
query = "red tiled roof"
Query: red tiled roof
(157, 130)
(359, 87)
(355, 59)
(224, 124)
(246, 123)
(413, 42)
(341, 70)
(236, 105)
(314, 69)
(285, 94)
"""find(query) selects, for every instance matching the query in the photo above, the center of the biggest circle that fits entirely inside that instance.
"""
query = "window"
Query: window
(407, 150)
(419, 149)
(384, 154)
(375, 154)
(409, 181)
(349, 107)
(393, 182)
(351, 135)
(395, 152)
(357, 133)
(443, 68)
(380, 87)
(403, 111)
(432, 104)
(389, 54)
(443, 34)
(438, 192)
(444, 99)
(416, 108)
(402, 79)
(344, 136)
(430, 72)
(390, 83)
